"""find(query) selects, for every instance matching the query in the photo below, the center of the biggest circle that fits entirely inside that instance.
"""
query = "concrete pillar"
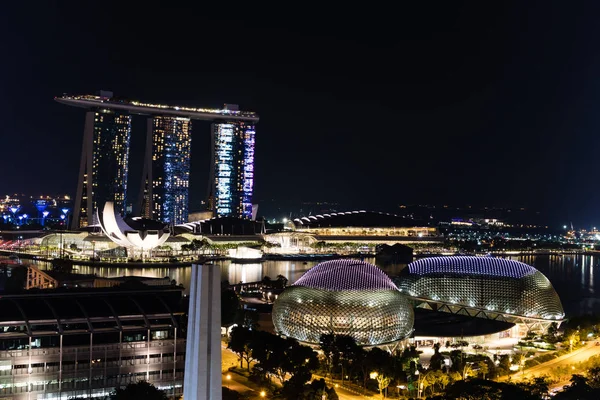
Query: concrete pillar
(203, 379)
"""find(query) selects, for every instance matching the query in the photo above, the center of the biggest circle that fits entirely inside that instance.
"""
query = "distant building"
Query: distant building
(167, 169)
(361, 223)
(232, 169)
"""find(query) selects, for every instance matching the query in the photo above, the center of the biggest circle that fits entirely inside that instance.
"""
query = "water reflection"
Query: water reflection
(573, 277)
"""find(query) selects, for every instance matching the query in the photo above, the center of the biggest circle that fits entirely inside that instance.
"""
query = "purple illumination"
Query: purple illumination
(62, 216)
(341, 275)
(465, 265)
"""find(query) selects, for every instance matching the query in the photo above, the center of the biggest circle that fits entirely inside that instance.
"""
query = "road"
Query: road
(572, 358)
(242, 385)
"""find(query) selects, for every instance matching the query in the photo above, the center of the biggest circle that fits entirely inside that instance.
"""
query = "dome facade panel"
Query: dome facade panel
(344, 297)
(485, 283)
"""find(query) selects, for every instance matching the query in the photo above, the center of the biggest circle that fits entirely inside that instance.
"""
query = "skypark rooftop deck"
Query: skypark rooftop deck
(136, 107)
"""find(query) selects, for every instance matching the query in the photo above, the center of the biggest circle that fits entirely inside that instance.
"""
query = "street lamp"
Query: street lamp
(66, 212)
(44, 215)
(14, 210)
(419, 384)
(263, 393)
(399, 388)
(228, 378)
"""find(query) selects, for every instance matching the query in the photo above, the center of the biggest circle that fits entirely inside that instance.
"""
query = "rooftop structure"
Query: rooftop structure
(83, 343)
(345, 297)
(141, 108)
(483, 287)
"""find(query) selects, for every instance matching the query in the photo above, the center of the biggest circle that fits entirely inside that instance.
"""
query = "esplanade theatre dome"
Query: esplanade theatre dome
(482, 286)
(344, 297)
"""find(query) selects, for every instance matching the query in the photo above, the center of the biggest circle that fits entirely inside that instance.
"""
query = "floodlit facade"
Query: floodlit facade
(232, 169)
(164, 191)
(360, 223)
(344, 297)
(137, 234)
(104, 164)
(485, 287)
(167, 169)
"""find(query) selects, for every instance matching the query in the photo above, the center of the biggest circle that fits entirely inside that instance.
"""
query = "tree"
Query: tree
(504, 363)
(483, 368)
(280, 282)
(480, 389)
(538, 387)
(594, 377)
(141, 390)
(247, 318)
(240, 343)
(437, 359)
(316, 390)
(230, 305)
(339, 350)
(328, 347)
(380, 363)
(578, 389)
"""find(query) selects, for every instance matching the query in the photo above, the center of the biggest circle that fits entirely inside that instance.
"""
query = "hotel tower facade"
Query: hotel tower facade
(166, 171)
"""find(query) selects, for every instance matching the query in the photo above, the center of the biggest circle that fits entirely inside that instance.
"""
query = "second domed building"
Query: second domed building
(344, 297)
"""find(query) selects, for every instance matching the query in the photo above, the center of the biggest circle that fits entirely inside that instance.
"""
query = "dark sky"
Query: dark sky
(485, 103)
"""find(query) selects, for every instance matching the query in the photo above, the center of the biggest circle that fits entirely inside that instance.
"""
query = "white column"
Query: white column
(202, 379)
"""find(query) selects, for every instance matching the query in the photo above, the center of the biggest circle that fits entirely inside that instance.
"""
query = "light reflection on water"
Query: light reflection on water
(573, 277)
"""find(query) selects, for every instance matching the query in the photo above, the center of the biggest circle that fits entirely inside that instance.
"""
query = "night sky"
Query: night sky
(483, 103)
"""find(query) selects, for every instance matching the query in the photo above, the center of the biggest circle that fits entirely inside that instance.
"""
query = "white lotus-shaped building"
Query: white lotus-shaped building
(137, 233)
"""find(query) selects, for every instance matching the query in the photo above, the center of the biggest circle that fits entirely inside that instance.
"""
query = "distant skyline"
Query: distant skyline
(462, 103)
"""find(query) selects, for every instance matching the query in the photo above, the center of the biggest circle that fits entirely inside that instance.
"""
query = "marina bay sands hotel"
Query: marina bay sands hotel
(104, 166)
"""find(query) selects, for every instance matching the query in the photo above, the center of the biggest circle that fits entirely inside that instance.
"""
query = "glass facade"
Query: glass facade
(233, 169)
(482, 283)
(112, 133)
(171, 149)
(346, 297)
(84, 345)
(109, 158)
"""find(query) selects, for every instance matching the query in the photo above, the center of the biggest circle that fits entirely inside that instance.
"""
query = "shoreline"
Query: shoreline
(281, 257)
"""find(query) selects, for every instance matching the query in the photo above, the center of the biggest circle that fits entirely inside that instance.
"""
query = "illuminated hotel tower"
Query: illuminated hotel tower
(167, 169)
(104, 165)
(232, 169)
